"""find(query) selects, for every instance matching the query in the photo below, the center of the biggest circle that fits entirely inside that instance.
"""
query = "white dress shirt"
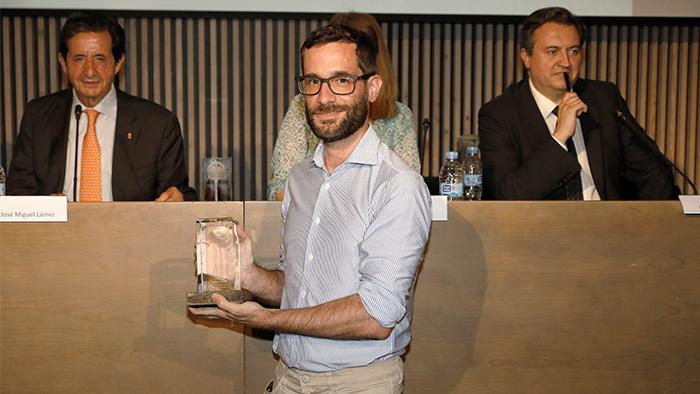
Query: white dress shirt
(546, 106)
(359, 230)
(106, 128)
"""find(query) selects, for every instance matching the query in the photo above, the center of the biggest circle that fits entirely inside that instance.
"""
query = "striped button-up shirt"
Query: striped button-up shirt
(360, 230)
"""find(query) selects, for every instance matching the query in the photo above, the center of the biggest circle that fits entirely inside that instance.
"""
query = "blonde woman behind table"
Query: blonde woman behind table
(392, 121)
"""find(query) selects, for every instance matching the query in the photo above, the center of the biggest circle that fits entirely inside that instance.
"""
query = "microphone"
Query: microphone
(650, 145)
(567, 81)
(78, 111)
(426, 129)
(432, 181)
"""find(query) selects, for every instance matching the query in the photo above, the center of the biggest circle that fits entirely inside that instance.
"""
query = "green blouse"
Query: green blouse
(296, 142)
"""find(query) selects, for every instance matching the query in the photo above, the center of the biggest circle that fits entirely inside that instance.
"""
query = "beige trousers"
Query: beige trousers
(381, 377)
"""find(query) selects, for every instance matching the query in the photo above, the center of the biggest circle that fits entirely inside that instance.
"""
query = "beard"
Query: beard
(356, 114)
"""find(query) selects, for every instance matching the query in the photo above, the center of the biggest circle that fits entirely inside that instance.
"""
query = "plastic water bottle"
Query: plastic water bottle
(451, 174)
(2, 181)
(472, 174)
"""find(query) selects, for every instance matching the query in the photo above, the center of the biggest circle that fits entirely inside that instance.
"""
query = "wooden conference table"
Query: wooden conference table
(513, 297)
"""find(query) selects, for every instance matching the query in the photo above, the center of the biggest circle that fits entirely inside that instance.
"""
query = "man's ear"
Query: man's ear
(120, 64)
(62, 62)
(525, 57)
(374, 86)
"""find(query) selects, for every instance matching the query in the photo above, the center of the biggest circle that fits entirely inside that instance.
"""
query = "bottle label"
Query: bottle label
(472, 180)
(453, 191)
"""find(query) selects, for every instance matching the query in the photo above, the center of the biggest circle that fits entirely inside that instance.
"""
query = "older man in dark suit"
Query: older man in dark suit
(128, 148)
(557, 136)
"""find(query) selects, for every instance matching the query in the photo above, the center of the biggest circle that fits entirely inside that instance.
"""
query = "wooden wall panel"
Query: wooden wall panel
(97, 304)
(512, 297)
(541, 297)
(229, 77)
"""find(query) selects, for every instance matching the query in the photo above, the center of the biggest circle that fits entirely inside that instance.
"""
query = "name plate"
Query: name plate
(439, 208)
(33, 209)
(691, 204)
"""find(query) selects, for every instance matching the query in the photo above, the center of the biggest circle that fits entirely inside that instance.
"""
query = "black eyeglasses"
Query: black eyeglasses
(340, 84)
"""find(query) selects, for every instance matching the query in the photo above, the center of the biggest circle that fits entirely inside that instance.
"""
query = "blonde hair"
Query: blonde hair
(385, 104)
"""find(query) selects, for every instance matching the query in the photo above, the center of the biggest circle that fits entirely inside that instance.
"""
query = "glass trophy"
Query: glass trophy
(217, 262)
(216, 179)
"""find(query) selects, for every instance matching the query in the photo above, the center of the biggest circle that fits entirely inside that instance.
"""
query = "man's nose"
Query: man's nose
(325, 95)
(89, 67)
(564, 59)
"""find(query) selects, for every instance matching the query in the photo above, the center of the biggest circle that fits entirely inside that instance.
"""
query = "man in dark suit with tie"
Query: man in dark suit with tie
(547, 137)
(129, 148)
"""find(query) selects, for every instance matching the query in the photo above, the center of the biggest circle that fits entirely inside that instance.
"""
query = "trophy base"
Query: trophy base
(203, 298)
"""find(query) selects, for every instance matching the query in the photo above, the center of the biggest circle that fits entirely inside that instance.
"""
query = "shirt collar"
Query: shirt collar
(544, 104)
(365, 152)
(106, 107)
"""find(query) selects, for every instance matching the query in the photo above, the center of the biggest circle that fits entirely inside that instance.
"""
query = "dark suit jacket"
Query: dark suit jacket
(522, 161)
(142, 168)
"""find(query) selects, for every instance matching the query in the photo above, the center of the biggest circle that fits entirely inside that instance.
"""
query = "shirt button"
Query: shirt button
(302, 293)
(327, 186)
(311, 257)
(317, 220)
(305, 379)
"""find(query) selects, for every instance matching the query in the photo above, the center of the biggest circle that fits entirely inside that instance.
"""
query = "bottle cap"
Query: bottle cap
(472, 150)
(451, 155)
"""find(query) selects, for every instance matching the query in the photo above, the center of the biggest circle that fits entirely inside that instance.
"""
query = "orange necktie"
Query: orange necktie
(91, 164)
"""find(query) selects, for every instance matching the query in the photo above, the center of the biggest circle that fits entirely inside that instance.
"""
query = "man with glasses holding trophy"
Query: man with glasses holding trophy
(356, 221)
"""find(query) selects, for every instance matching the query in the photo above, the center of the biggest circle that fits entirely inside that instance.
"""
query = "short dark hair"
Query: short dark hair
(92, 22)
(366, 48)
(538, 18)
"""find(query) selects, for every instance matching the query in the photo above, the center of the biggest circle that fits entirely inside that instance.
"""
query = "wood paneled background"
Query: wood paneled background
(229, 76)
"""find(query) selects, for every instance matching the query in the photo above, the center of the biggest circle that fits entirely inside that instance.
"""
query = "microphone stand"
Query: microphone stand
(426, 129)
(649, 144)
(78, 111)
(431, 181)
